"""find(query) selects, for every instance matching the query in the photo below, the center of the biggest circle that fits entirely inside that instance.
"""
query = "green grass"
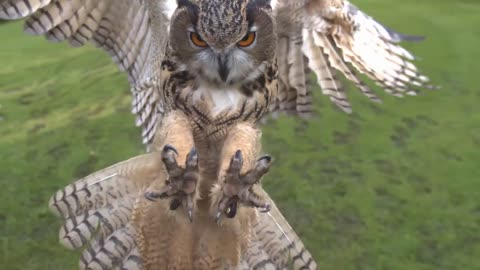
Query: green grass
(392, 186)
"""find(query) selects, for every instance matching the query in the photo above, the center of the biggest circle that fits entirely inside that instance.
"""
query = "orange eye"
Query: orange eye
(247, 40)
(197, 40)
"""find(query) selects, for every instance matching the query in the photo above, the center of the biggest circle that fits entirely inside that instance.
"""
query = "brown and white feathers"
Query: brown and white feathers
(324, 36)
(132, 32)
(336, 36)
(106, 214)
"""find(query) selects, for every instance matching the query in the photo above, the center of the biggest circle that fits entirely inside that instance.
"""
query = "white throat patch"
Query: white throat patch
(221, 99)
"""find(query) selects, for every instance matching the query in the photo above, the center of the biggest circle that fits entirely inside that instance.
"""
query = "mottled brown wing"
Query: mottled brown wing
(133, 32)
(97, 212)
(275, 245)
(337, 36)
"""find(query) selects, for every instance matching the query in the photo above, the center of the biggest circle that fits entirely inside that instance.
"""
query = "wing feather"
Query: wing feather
(294, 94)
(350, 38)
(326, 77)
(132, 261)
(97, 212)
(275, 245)
(133, 33)
(108, 253)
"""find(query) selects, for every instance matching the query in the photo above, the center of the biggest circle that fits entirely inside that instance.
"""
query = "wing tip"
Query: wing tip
(53, 206)
(347, 110)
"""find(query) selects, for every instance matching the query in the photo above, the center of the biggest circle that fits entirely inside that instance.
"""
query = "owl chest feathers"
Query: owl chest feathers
(217, 106)
(219, 100)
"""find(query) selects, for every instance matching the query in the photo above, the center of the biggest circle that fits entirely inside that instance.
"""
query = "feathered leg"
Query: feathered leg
(175, 143)
(239, 171)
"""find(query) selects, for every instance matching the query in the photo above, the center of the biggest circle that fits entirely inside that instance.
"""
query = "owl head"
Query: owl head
(223, 42)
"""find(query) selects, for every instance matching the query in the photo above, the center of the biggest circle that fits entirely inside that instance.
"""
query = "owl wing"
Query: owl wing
(275, 245)
(132, 32)
(98, 213)
(326, 36)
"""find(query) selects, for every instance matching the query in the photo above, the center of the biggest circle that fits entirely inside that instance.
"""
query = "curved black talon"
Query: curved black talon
(268, 158)
(192, 154)
(266, 208)
(175, 204)
(168, 147)
(152, 196)
(238, 155)
(231, 210)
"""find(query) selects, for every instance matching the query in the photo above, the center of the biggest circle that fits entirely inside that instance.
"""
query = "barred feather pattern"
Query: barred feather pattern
(133, 33)
(326, 76)
(107, 215)
(275, 245)
(293, 95)
(100, 210)
(347, 36)
(97, 212)
(329, 49)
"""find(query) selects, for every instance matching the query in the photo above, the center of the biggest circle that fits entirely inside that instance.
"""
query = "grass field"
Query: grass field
(392, 186)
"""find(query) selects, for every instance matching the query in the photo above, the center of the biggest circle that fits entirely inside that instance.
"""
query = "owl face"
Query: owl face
(223, 42)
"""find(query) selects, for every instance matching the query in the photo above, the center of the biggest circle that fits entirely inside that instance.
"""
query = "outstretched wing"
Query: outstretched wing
(275, 245)
(97, 212)
(133, 32)
(334, 35)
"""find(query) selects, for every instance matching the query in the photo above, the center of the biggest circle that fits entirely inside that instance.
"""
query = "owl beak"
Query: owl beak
(223, 67)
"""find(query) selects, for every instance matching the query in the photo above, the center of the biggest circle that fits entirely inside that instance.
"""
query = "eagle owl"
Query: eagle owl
(203, 74)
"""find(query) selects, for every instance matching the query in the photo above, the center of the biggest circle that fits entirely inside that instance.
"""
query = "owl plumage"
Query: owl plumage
(203, 74)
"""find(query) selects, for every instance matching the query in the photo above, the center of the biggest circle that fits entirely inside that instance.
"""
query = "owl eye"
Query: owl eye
(197, 40)
(247, 40)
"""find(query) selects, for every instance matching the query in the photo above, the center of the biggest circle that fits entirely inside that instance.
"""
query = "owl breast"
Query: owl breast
(214, 107)
(219, 100)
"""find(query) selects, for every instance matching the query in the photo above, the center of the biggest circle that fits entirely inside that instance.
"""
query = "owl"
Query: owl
(204, 73)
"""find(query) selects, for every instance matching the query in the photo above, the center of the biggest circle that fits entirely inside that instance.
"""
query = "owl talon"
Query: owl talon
(237, 188)
(175, 204)
(181, 183)
(266, 208)
(169, 147)
(231, 210)
(169, 154)
(152, 196)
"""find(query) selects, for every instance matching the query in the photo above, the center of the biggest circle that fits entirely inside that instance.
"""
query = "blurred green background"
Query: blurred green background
(392, 186)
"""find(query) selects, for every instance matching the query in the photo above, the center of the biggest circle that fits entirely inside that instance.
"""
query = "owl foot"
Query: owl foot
(182, 182)
(237, 188)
